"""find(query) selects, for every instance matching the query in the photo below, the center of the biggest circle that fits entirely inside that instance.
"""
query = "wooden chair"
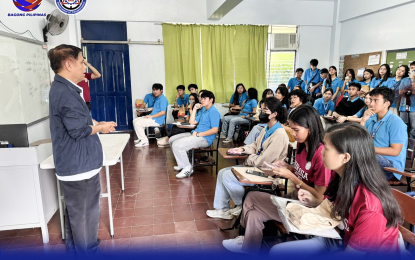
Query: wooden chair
(209, 150)
(407, 205)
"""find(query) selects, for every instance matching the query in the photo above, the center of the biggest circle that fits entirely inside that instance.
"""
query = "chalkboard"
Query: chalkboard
(397, 57)
(24, 80)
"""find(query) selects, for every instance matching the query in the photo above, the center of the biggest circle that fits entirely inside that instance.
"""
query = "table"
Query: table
(113, 146)
(242, 179)
(408, 175)
(225, 155)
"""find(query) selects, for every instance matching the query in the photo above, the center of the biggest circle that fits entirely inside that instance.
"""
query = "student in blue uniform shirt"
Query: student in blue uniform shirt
(182, 99)
(312, 79)
(149, 100)
(333, 82)
(388, 131)
(324, 105)
(349, 77)
(368, 76)
(383, 78)
(402, 72)
(238, 97)
(207, 122)
(192, 88)
(297, 81)
(407, 104)
(155, 119)
(230, 122)
(324, 75)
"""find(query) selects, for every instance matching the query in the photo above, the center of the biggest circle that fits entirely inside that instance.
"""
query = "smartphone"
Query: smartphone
(256, 173)
(411, 170)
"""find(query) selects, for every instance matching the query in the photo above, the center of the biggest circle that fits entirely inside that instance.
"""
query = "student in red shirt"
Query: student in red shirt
(308, 173)
(361, 196)
(84, 83)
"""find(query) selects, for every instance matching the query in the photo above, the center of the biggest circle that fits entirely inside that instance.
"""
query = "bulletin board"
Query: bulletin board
(397, 57)
(360, 61)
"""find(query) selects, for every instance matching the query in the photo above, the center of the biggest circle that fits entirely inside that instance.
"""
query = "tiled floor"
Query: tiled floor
(155, 211)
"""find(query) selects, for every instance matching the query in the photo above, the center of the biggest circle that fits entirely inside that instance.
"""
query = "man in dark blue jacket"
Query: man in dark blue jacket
(77, 150)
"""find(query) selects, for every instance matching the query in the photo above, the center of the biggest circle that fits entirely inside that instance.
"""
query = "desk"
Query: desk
(242, 179)
(225, 155)
(226, 105)
(113, 146)
(408, 175)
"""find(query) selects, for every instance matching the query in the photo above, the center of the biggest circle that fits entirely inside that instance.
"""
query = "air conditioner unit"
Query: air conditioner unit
(284, 41)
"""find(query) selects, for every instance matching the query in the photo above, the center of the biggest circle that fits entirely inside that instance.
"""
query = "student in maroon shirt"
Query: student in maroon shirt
(84, 83)
(361, 196)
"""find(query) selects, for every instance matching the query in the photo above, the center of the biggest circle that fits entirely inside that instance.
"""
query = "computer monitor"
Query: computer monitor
(15, 135)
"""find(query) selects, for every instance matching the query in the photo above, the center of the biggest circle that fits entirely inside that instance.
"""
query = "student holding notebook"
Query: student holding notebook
(270, 146)
(361, 197)
(308, 173)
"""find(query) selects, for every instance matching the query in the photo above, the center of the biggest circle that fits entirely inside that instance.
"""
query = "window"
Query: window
(281, 55)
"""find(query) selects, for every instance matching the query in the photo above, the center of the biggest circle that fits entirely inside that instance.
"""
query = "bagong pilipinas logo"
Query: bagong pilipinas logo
(70, 6)
(27, 5)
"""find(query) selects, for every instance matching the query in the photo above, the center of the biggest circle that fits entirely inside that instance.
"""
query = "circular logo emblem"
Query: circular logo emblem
(27, 5)
(70, 6)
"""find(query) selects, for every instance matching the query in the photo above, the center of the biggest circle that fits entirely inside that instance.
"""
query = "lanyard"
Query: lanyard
(240, 98)
(277, 126)
(396, 84)
(376, 130)
(326, 106)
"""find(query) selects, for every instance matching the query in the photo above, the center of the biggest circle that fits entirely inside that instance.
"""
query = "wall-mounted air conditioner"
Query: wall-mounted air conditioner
(284, 41)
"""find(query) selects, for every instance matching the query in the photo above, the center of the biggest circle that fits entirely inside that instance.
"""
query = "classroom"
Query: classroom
(231, 128)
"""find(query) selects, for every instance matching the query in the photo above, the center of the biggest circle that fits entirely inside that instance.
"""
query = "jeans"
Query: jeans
(383, 162)
(225, 123)
(235, 122)
(254, 133)
(316, 246)
(182, 143)
(227, 186)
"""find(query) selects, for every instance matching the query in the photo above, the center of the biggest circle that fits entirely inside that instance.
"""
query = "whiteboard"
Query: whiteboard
(24, 80)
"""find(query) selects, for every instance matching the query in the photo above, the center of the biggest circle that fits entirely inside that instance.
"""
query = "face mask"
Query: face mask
(264, 118)
(191, 101)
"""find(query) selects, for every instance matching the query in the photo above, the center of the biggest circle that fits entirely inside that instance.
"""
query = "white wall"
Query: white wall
(35, 25)
(314, 43)
(388, 29)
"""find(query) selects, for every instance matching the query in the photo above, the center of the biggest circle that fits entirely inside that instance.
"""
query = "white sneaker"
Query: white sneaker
(219, 213)
(235, 211)
(137, 141)
(177, 168)
(234, 245)
(162, 141)
(227, 140)
(157, 132)
(186, 172)
(141, 144)
(222, 136)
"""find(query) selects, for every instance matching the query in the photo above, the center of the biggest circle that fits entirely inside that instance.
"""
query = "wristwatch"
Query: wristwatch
(298, 186)
(197, 134)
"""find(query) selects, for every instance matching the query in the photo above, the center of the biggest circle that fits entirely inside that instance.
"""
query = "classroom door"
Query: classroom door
(111, 94)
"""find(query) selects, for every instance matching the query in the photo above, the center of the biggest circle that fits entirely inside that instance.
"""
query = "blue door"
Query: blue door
(111, 94)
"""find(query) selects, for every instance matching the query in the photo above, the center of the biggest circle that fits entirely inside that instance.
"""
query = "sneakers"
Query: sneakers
(185, 172)
(234, 245)
(157, 132)
(141, 144)
(177, 168)
(227, 140)
(163, 142)
(235, 211)
(222, 136)
(137, 141)
(219, 213)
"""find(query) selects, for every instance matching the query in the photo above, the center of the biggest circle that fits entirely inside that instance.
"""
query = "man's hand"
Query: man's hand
(194, 134)
(107, 127)
(149, 117)
(86, 62)
(177, 96)
(341, 119)
(197, 106)
(368, 113)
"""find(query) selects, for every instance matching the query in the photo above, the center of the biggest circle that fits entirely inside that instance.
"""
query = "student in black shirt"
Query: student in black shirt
(349, 106)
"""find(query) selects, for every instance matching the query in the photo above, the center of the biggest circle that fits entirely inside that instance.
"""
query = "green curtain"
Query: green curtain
(217, 60)
(181, 57)
(249, 56)
(215, 57)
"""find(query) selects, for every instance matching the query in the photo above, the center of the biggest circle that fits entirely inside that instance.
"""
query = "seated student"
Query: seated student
(358, 116)
(296, 97)
(231, 121)
(308, 173)
(368, 76)
(282, 96)
(402, 72)
(207, 122)
(238, 98)
(175, 130)
(156, 118)
(324, 105)
(192, 88)
(349, 106)
(388, 131)
(265, 94)
(383, 78)
(296, 81)
(324, 73)
(270, 147)
(348, 78)
(313, 81)
(333, 82)
(148, 101)
(282, 85)
(361, 198)
(182, 99)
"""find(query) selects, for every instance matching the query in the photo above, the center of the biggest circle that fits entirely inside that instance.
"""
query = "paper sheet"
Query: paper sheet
(374, 59)
(250, 177)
